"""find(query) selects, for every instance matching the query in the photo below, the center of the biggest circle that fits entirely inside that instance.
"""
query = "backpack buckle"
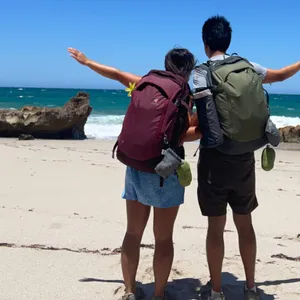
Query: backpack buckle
(166, 142)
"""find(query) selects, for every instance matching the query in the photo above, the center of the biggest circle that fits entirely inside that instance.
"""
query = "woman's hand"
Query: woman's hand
(79, 56)
(106, 71)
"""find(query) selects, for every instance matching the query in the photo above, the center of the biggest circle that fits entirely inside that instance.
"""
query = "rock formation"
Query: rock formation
(290, 134)
(65, 122)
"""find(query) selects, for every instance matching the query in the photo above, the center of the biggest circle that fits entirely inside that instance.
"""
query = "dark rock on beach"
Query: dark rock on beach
(31, 122)
(26, 137)
(290, 134)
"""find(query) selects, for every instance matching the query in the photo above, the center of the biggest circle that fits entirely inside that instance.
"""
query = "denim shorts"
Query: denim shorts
(145, 188)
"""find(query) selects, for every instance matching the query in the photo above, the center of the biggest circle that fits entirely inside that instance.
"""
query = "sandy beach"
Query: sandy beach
(62, 221)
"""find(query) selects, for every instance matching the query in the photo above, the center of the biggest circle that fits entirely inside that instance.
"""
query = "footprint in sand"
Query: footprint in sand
(85, 218)
(118, 290)
(286, 257)
(56, 226)
(288, 238)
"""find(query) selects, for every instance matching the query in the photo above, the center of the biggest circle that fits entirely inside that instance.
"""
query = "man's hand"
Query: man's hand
(77, 55)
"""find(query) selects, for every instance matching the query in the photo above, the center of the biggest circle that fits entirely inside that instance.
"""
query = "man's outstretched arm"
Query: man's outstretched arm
(281, 74)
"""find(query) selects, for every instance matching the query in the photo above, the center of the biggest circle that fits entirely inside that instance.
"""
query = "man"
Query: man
(228, 179)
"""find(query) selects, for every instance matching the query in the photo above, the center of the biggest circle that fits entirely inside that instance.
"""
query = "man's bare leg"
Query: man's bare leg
(247, 244)
(215, 250)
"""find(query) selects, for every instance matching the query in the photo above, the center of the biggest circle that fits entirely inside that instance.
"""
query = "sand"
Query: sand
(62, 220)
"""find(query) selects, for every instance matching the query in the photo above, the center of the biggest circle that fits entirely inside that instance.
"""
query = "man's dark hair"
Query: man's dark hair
(216, 33)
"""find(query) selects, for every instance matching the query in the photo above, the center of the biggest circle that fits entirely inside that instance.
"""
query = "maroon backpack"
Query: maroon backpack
(156, 119)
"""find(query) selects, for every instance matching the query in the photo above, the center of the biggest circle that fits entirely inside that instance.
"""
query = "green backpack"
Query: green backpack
(241, 104)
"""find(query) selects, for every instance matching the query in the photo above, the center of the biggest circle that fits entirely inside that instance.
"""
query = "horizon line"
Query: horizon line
(111, 89)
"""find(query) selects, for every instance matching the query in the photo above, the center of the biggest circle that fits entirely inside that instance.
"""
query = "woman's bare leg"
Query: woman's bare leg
(137, 218)
(164, 219)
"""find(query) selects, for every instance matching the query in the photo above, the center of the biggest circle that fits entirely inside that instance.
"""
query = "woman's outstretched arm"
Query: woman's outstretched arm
(109, 72)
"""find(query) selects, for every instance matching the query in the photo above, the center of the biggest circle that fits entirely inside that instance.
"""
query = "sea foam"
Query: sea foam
(109, 126)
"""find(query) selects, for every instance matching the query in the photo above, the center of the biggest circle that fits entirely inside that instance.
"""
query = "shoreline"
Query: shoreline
(280, 147)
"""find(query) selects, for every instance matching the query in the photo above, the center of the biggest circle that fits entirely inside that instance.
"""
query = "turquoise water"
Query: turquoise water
(109, 106)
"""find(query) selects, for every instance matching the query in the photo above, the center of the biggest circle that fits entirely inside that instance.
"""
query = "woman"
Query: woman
(142, 191)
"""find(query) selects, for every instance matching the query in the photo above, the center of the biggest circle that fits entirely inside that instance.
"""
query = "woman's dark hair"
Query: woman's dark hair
(180, 61)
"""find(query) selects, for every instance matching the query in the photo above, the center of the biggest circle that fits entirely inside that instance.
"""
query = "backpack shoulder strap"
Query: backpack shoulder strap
(204, 66)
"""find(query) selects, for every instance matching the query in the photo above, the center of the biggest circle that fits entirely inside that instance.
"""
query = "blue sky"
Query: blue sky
(134, 35)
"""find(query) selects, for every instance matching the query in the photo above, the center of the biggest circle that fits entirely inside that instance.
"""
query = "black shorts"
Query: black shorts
(226, 179)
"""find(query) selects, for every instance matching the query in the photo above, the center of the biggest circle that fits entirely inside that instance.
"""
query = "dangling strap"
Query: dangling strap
(114, 149)
(161, 181)
(196, 151)
(183, 103)
(267, 96)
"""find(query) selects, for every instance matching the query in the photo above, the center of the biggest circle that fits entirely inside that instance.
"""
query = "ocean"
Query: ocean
(109, 107)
